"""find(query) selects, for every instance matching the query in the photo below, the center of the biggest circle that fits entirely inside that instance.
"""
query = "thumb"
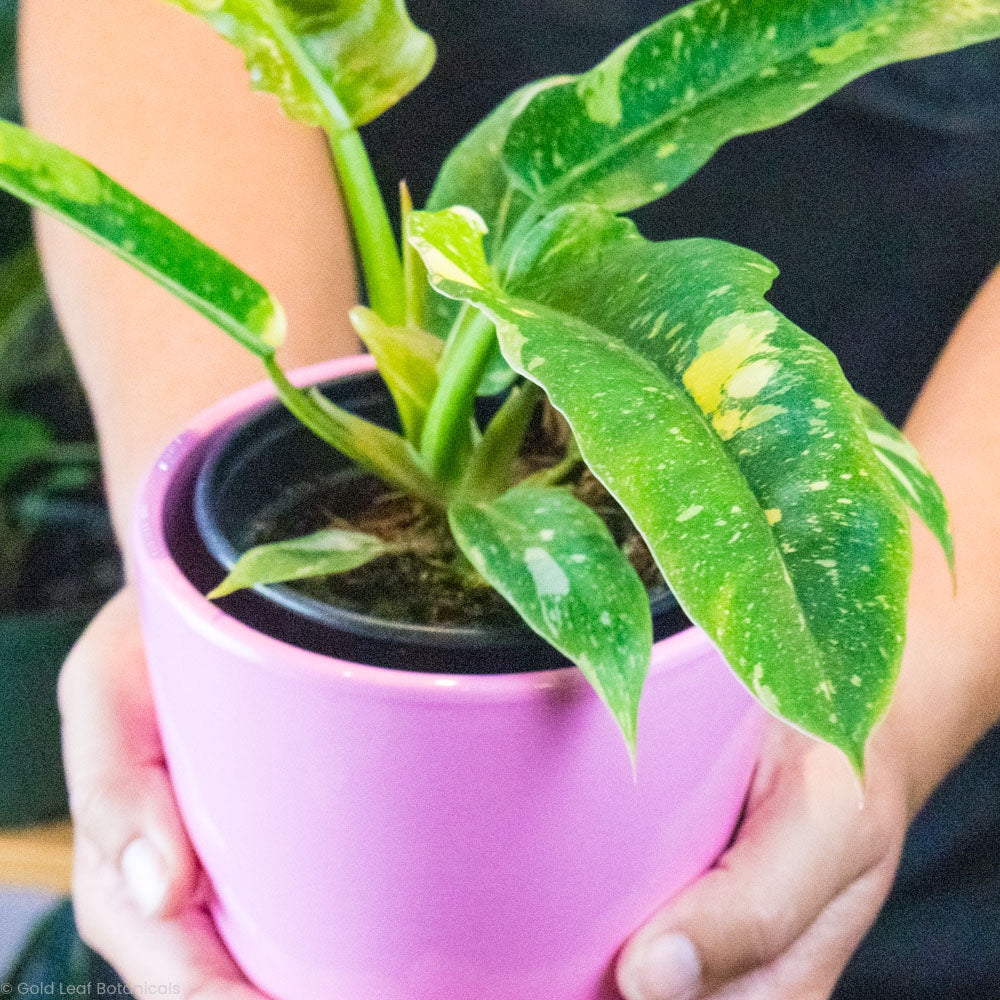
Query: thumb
(124, 813)
(798, 848)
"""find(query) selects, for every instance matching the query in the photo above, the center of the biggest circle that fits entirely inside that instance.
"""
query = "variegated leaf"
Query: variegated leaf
(319, 554)
(912, 479)
(474, 175)
(324, 59)
(78, 194)
(732, 440)
(553, 558)
(644, 119)
(407, 360)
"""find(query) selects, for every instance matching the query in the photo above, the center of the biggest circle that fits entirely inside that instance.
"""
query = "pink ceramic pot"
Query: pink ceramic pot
(375, 834)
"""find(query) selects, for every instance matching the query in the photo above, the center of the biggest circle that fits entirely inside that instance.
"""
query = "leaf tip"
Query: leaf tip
(949, 554)
(223, 589)
(855, 754)
(275, 326)
(628, 726)
(405, 199)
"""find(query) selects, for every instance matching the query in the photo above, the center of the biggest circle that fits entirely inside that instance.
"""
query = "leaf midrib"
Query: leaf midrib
(542, 201)
(339, 120)
(686, 400)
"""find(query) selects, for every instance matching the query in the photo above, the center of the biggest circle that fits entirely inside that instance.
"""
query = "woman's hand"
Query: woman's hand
(138, 891)
(784, 908)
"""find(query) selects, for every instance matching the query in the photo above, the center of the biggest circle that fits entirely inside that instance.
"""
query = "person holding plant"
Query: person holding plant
(808, 871)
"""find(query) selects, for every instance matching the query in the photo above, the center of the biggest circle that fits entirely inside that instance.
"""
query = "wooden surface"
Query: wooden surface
(40, 857)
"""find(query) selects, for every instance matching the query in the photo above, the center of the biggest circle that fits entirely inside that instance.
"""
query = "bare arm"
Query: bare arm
(160, 103)
(949, 692)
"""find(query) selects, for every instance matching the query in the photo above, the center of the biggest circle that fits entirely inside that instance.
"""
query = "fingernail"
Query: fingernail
(665, 968)
(145, 875)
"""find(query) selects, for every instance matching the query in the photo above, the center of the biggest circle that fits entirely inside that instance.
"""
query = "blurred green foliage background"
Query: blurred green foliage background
(58, 560)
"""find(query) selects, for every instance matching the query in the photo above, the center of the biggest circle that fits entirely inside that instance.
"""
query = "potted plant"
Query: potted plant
(397, 791)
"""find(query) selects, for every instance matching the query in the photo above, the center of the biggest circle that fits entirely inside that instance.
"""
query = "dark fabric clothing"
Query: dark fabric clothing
(879, 205)
(881, 208)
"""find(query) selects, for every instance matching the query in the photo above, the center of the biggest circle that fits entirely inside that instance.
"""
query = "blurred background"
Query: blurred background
(58, 564)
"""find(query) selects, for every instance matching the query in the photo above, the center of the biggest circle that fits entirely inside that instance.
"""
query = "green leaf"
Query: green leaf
(474, 175)
(912, 479)
(407, 359)
(554, 559)
(318, 554)
(77, 193)
(414, 273)
(23, 440)
(649, 115)
(334, 63)
(732, 440)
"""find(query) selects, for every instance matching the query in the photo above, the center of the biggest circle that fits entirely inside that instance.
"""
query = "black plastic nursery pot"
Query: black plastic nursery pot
(263, 463)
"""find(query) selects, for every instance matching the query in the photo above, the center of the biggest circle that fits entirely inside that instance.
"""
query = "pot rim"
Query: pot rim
(227, 446)
(159, 572)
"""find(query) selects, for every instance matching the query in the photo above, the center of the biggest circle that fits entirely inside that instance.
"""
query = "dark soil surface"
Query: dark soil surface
(440, 587)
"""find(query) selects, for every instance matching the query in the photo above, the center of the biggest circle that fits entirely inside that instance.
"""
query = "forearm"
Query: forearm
(164, 106)
(949, 692)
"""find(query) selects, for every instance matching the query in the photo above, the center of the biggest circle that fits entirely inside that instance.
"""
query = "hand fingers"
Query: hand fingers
(812, 965)
(120, 797)
(803, 842)
(180, 956)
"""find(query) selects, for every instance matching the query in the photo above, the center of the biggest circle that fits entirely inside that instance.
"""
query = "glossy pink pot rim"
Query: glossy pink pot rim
(163, 575)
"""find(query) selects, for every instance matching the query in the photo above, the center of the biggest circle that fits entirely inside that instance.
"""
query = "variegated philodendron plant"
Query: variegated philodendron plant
(772, 497)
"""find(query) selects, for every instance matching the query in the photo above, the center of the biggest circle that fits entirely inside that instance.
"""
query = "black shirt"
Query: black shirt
(882, 209)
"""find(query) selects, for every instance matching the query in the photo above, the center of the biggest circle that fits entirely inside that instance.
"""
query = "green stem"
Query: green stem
(380, 263)
(371, 447)
(446, 435)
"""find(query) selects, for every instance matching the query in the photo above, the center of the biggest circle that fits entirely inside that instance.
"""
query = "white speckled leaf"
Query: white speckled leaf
(644, 119)
(733, 441)
(912, 479)
(554, 559)
(78, 194)
(318, 554)
(474, 175)
(367, 54)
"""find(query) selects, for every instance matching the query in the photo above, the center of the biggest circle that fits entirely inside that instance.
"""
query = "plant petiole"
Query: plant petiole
(373, 448)
(446, 435)
(380, 261)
